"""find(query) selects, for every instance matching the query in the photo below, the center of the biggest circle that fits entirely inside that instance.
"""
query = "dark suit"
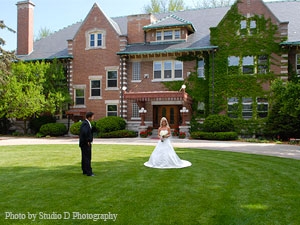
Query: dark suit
(85, 143)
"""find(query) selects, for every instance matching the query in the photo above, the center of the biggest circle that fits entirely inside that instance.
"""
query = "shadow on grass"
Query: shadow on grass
(219, 188)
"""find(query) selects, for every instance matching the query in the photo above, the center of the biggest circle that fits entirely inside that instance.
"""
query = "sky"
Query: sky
(57, 14)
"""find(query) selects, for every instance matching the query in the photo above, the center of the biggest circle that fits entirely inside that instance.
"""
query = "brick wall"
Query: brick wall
(25, 27)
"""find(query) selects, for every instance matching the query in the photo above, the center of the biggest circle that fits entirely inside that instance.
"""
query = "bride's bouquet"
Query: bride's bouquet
(162, 134)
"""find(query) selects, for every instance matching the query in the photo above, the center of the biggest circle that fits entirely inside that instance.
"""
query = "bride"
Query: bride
(164, 156)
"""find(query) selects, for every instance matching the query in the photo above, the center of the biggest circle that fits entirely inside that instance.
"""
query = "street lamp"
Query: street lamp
(184, 111)
(142, 112)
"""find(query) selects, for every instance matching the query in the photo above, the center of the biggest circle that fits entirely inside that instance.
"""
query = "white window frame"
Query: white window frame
(163, 68)
(112, 69)
(95, 32)
(173, 34)
(247, 107)
(79, 87)
(95, 78)
(248, 61)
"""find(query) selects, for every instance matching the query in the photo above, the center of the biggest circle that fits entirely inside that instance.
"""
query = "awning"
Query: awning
(158, 96)
(76, 112)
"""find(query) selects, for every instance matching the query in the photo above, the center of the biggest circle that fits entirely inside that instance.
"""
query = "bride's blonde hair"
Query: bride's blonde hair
(164, 119)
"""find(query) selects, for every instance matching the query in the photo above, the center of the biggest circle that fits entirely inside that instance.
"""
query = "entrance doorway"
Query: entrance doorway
(171, 112)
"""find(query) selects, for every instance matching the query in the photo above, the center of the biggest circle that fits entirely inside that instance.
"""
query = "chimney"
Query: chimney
(25, 27)
(135, 26)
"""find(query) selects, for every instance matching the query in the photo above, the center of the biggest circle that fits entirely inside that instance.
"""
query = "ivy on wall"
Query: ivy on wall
(263, 40)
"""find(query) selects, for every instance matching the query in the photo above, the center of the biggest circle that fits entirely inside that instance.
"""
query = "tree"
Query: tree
(284, 117)
(6, 58)
(213, 3)
(55, 88)
(157, 6)
(24, 92)
(43, 32)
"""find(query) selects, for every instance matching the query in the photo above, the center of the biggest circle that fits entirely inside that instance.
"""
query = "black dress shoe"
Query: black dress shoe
(91, 175)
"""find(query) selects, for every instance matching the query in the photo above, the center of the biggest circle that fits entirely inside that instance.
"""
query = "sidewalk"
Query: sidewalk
(279, 150)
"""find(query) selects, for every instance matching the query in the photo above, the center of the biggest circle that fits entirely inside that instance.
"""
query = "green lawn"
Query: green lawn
(219, 188)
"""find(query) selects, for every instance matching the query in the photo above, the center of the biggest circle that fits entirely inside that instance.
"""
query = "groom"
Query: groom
(85, 143)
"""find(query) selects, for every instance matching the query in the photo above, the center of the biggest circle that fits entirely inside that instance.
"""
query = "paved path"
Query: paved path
(279, 150)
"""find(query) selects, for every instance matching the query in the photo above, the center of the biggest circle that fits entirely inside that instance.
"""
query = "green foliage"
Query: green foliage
(110, 123)
(119, 134)
(282, 126)
(225, 136)
(55, 87)
(228, 83)
(218, 123)
(158, 6)
(36, 123)
(75, 128)
(288, 94)
(53, 129)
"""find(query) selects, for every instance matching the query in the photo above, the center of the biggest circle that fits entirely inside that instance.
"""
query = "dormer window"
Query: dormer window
(167, 35)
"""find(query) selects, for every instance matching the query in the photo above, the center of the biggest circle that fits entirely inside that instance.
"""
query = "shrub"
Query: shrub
(36, 123)
(119, 134)
(218, 123)
(144, 134)
(53, 129)
(225, 136)
(182, 134)
(75, 128)
(110, 123)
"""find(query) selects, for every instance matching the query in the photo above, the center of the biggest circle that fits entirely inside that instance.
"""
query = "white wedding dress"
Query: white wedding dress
(164, 157)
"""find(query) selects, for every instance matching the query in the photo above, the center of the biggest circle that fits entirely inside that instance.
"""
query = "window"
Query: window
(233, 107)
(247, 27)
(136, 71)
(95, 39)
(248, 65)
(233, 65)
(298, 64)
(157, 70)
(262, 64)
(178, 69)
(135, 110)
(200, 69)
(168, 70)
(95, 88)
(158, 36)
(167, 35)
(262, 107)
(177, 34)
(112, 79)
(112, 110)
(247, 108)
(79, 96)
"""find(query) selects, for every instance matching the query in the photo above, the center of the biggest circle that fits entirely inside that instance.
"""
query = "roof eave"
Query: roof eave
(204, 48)
(50, 58)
